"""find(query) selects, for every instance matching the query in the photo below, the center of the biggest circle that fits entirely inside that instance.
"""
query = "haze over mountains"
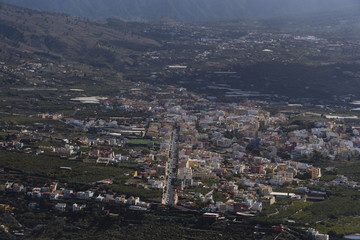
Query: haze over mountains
(186, 10)
(270, 56)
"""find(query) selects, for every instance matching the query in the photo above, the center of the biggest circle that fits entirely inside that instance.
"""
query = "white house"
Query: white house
(76, 208)
(61, 207)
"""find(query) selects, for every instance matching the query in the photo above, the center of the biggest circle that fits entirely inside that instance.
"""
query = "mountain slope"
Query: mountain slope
(64, 37)
(185, 10)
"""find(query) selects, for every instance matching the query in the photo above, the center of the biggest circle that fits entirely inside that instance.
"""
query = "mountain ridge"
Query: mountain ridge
(184, 10)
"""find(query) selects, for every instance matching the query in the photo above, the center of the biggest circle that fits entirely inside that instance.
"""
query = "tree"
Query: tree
(304, 176)
(226, 162)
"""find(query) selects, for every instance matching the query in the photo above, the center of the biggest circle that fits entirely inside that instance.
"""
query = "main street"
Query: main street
(170, 194)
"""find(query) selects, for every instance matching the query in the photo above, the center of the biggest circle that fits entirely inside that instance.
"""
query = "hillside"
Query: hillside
(275, 57)
(60, 36)
(185, 10)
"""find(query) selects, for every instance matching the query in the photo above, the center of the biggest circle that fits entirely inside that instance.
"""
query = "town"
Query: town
(191, 153)
(180, 129)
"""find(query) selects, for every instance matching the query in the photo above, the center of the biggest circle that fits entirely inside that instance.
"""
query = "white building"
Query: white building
(257, 206)
(54, 196)
(99, 198)
(76, 208)
(61, 207)
(316, 235)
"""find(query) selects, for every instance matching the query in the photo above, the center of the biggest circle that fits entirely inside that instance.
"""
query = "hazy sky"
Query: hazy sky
(187, 9)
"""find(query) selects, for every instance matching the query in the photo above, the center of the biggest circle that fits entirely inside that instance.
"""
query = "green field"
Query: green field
(46, 165)
(338, 215)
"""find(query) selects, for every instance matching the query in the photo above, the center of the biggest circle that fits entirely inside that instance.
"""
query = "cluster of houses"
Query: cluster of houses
(52, 193)
(316, 235)
(12, 145)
